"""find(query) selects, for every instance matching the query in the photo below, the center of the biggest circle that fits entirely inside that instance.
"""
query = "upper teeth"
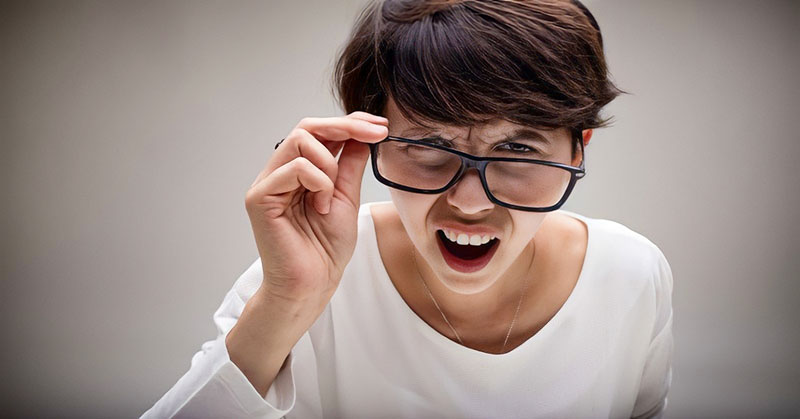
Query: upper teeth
(467, 239)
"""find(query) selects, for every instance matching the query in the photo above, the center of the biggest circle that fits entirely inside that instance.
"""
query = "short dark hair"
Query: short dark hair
(537, 63)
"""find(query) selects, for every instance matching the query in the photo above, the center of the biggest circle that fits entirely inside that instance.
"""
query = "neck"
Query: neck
(498, 303)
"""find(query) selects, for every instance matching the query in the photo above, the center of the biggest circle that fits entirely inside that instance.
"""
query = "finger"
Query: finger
(336, 146)
(342, 128)
(352, 162)
(300, 143)
(330, 132)
(375, 119)
(271, 194)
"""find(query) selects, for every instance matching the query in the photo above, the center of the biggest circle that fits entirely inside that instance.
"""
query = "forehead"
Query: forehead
(488, 132)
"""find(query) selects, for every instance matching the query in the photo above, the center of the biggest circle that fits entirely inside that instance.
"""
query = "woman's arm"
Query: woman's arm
(657, 374)
(303, 208)
(214, 386)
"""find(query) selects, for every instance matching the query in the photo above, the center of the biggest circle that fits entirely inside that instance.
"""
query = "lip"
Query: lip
(466, 266)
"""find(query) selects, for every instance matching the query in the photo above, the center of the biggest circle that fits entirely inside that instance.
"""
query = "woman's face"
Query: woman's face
(465, 208)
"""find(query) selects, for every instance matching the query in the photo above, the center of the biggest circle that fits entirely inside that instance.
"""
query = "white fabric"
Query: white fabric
(606, 353)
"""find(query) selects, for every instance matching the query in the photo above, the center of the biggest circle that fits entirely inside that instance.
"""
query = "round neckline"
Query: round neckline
(439, 339)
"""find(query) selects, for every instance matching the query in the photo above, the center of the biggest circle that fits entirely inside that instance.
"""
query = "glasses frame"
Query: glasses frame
(469, 161)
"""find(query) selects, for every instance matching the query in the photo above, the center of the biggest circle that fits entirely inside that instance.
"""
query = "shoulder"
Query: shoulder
(618, 249)
(623, 262)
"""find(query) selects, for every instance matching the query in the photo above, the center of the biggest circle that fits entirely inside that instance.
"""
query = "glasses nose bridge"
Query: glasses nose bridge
(468, 162)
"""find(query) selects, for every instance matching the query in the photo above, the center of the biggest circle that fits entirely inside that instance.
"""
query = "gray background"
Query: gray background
(131, 131)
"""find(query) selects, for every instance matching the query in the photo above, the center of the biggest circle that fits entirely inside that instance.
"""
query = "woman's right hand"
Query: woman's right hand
(303, 206)
(304, 211)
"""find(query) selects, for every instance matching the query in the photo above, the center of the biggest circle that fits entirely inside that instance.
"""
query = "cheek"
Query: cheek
(413, 210)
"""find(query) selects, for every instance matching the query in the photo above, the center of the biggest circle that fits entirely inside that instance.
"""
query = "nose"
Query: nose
(468, 195)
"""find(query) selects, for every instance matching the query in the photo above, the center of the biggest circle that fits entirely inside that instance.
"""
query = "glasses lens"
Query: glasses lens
(416, 165)
(527, 184)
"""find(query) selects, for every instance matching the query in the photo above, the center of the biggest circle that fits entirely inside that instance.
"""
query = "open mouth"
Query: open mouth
(467, 255)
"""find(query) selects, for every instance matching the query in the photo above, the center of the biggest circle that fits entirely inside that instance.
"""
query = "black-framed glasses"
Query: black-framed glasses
(518, 183)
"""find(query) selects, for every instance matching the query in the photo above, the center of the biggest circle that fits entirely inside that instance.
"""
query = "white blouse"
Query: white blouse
(606, 353)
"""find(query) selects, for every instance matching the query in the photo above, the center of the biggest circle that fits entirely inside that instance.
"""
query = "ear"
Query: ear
(587, 135)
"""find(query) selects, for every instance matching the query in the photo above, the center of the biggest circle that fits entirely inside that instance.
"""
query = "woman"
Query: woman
(470, 294)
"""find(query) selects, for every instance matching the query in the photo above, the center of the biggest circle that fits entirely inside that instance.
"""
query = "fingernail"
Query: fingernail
(379, 129)
(321, 207)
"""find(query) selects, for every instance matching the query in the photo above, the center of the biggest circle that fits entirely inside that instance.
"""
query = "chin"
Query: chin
(465, 285)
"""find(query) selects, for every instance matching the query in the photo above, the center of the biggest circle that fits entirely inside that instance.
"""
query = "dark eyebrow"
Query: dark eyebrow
(414, 131)
(525, 134)
(518, 134)
(428, 136)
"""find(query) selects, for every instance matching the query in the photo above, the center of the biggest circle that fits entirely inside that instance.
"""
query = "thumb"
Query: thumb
(352, 162)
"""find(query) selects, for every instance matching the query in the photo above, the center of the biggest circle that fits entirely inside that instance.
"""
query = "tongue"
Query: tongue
(466, 252)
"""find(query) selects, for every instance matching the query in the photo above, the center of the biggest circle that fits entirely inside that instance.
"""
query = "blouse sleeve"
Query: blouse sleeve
(214, 386)
(651, 400)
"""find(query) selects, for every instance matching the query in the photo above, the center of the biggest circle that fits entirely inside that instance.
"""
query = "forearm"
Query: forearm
(265, 333)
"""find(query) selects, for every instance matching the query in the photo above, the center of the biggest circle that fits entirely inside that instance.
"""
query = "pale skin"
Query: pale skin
(303, 208)
(546, 249)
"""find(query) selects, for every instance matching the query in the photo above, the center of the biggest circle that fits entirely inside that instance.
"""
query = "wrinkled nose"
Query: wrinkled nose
(468, 195)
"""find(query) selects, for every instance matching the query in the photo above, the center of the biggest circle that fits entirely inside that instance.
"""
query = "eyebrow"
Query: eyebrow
(526, 134)
(518, 134)
(415, 131)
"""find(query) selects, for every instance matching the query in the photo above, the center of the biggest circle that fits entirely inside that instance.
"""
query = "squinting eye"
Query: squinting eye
(437, 141)
(517, 148)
